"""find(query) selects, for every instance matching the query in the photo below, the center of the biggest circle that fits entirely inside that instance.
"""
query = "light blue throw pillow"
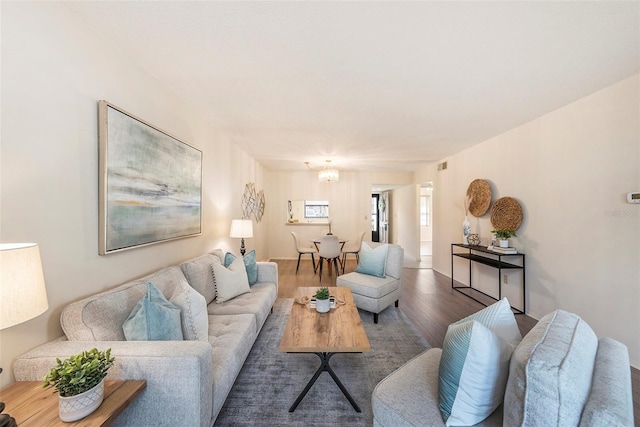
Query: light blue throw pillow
(474, 365)
(250, 264)
(153, 319)
(372, 261)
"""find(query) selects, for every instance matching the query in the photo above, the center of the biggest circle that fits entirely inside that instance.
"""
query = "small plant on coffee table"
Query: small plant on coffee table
(322, 293)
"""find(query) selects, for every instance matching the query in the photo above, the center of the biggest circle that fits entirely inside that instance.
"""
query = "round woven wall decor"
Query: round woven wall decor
(480, 193)
(506, 213)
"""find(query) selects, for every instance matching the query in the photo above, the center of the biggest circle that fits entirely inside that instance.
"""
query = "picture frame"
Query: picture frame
(150, 183)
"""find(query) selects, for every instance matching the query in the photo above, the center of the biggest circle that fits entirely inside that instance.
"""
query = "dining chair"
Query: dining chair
(330, 251)
(304, 250)
(352, 249)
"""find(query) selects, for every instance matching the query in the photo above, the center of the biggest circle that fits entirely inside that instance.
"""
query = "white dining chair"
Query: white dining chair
(304, 250)
(353, 249)
(330, 251)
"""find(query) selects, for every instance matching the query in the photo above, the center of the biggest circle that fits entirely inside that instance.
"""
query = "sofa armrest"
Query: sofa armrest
(610, 400)
(179, 377)
(268, 272)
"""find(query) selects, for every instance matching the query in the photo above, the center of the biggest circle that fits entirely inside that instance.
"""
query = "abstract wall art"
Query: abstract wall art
(150, 183)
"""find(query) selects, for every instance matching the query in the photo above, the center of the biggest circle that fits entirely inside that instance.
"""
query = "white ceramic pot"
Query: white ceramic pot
(504, 243)
(323, 305)
(73, 408)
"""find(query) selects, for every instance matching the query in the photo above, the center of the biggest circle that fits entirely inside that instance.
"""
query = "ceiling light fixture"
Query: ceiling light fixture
(328, 174)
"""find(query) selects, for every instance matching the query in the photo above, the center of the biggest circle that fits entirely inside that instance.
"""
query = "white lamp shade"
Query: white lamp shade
(23, 295)
(241, 228)
(328, 175)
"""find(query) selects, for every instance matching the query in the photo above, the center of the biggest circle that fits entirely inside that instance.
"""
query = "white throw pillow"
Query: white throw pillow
(474, 366)
(193, 312)
(230, 282)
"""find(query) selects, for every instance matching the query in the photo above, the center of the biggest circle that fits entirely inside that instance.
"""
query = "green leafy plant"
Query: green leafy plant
(322, 293)
(504, 233)
(79, 373)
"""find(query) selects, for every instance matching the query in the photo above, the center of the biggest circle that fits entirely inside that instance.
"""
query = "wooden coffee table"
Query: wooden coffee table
(325, 334)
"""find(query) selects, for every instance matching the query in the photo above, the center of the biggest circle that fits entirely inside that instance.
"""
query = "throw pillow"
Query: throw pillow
(250, 264)
(230, 282)
(372, 261)
(474, 366)
(153, 319)
(193, 312)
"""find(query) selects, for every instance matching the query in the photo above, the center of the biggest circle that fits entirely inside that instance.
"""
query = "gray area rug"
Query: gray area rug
(270, 381)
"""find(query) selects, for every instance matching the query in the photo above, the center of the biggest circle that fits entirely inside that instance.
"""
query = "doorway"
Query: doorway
(375, 218)
(426, 225)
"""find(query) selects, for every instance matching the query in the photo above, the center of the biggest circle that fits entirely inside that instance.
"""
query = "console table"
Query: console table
(32, 405)
(482, 255)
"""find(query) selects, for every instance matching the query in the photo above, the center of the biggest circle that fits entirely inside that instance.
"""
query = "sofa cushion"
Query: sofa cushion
(250, 264)
(258, 303)
(372, 261)
(475, 364)
(100, 317)
(230, 282)
(154, 318)
(193, 312)
(551, 371)
(198, 272)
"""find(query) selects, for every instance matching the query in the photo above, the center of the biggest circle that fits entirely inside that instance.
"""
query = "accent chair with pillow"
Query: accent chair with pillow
(375, 284)
(559, 374)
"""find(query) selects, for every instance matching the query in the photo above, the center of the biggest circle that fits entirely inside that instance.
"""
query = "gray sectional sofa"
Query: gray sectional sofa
(560, 374)
(187, 381)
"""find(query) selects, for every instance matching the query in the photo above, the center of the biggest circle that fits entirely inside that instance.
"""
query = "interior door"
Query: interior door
(375, 218)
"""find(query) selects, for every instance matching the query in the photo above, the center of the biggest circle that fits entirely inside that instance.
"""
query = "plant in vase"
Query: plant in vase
(323, 304)
(503, 234)
(79, 381)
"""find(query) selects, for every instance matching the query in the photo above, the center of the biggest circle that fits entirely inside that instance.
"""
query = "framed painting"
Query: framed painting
(150, 183)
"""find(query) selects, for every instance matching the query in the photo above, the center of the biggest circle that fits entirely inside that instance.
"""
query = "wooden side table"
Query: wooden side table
(32, 405)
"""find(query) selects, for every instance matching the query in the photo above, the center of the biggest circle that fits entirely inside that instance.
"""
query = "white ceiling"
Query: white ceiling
(386, 86)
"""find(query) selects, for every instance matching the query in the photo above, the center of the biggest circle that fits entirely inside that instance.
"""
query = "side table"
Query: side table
(32, 405)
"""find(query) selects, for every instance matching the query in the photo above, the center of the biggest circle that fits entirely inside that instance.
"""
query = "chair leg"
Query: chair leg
(320, 268)
(344, 261)
(298, 266)
(335, 263)
(396, 303)
(375, 317)
(313, 260)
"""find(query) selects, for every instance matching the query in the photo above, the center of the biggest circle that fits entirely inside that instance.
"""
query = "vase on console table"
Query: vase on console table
(466, 230)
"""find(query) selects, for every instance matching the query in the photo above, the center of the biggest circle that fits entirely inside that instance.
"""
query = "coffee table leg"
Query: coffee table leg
(324, 366)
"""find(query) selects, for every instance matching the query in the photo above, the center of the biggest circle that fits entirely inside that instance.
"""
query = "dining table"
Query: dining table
(318, 240)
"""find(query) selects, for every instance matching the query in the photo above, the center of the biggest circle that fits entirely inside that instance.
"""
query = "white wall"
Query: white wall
(570, 170)
(54, 70)
(349, 207)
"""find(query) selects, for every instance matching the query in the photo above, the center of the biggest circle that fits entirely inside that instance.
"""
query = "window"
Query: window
(316, 209)
(425, 214)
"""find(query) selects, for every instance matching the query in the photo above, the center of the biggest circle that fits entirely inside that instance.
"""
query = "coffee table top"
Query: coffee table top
(338, 331)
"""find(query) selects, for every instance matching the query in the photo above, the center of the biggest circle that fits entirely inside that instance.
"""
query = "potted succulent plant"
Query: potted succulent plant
(503, 234)
(323, 304)
(79, 381)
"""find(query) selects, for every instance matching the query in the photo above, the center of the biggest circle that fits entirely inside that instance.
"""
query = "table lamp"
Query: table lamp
(241, 228)
(23, 295)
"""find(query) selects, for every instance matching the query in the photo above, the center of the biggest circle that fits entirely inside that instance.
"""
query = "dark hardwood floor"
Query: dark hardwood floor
(427, 299)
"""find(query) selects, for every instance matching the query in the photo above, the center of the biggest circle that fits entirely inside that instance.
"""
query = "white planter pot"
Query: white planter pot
(323, 305)
(73, 408)
(504, 243)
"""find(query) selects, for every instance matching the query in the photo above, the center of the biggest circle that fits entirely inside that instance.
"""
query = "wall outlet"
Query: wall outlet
(505, 279)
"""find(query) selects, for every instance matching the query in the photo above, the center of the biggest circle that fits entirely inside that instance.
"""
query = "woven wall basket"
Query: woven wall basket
(480, 193)
(506, 213)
